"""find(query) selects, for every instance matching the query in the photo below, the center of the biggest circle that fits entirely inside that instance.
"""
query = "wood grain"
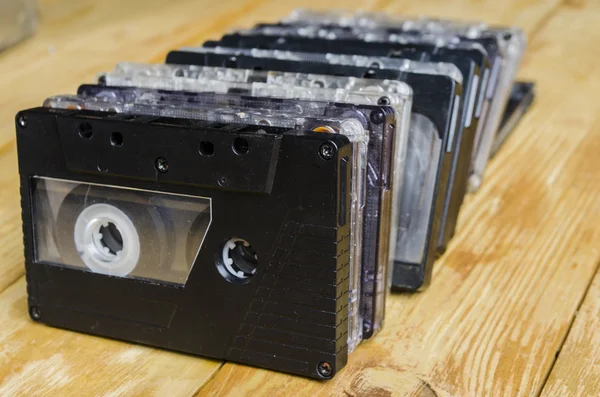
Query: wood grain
(577, 370)
(503, 296)
(38, 360)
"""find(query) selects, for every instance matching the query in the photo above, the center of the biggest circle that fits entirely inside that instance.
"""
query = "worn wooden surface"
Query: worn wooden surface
(500, 317)
(577, 370)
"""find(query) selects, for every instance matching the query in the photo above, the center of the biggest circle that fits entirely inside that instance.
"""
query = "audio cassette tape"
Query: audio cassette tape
(201, 237)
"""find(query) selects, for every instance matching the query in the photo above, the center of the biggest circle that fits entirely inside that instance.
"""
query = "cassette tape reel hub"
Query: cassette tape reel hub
(107, 240)
(237, 261)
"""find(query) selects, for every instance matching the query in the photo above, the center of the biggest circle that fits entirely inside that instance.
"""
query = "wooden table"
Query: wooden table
(514, 308)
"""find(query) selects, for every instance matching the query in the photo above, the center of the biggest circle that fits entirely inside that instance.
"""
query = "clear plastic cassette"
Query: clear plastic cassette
(371, 95)
(270, 77)
(352, 128)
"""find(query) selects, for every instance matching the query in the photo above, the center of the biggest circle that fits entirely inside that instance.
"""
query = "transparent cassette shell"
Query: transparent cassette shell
(352, 128)
(423, 137)
(229, 115)
(174, 84)
(293, 84)
(269, 77)
(413, 215)
(118, 231)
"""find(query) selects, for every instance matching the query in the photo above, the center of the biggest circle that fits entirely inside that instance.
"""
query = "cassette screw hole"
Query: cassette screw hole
(240, 146)
(161, 165)
(325, 369)
(35, 313)
(370, 74)
(22, 120)
(206, 148)
(85, 130)
(327, 150)
(383, 101)
(116, 139)
(222, 181)
(231, 62)
(179, 72)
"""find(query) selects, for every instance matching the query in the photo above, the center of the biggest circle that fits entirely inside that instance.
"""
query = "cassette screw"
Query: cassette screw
(22, 120)
(35, 313)
(325, 369)
(161, 165)
(223, 181)
(377, 117)
(383, 101)
(327, 151)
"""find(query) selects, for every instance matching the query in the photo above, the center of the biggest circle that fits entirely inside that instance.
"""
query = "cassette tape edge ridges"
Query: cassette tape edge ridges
(148, 313)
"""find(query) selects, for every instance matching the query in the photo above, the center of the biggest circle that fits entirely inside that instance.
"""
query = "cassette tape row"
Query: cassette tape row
(254, 199)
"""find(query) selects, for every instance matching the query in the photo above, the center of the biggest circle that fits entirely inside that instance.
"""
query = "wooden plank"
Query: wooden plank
(577, 370)
(525, 14)
(39, 360)
(504, 295)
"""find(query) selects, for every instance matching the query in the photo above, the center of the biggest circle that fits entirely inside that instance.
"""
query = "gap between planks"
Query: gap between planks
(567, 333)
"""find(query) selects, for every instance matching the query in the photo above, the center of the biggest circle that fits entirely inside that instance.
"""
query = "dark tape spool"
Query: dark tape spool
(148, 221)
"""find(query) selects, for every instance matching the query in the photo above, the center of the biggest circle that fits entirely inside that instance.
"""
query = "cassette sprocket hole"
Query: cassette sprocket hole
(237, 261)
(111, 238)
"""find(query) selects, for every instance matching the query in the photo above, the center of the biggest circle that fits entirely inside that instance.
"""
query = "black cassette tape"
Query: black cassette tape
(436, 99)
(131, 233)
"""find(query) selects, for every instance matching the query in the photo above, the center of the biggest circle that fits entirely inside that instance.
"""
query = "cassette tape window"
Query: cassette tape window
(110, 230)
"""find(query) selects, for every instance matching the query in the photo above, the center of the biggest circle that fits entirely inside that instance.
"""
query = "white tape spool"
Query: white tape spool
(97, 256)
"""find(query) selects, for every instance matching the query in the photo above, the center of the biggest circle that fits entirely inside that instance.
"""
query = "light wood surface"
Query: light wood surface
(577, 370)
(504, 296)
